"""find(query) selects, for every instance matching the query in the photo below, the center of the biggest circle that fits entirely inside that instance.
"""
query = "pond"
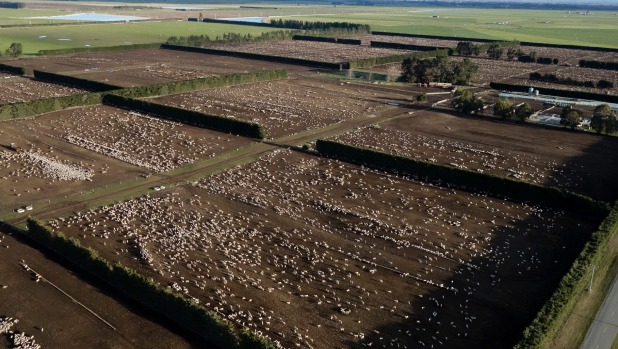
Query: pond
(246, 19)
(94, 17)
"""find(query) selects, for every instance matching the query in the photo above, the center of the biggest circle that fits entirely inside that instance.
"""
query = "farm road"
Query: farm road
(201, 169)
(604, 329)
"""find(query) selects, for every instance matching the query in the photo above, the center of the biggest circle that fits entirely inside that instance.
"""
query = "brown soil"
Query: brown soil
(316, 51)
(146, 66)
(293, 105)
(55, 321)
(284, 244)
(14, 89)
(575, 161)
(142, 146)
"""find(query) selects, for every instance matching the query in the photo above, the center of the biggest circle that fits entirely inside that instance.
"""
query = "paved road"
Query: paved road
(604, 329)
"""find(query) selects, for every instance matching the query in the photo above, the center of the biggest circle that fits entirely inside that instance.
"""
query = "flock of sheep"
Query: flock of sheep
(282, 107)
(138, 139)
(476, 157)
(316, 51)
(14, 89)
(306, 250)
(17, 340)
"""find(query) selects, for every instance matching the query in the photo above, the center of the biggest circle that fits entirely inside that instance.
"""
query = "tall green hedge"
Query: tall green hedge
(492, 185)
(259, 57)
(85, 84)
(46, 105)
(217, 123)
(189, 315)
(598, 65)
(65, 51)
(203, 83)
(314, 38)
(401, 46)
(560, 305)
(5, 68)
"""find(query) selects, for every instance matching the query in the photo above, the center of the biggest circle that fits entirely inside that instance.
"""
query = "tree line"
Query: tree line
(320, 26)
(496, 50)
(438, 69)
(229, 38)
(603, 117)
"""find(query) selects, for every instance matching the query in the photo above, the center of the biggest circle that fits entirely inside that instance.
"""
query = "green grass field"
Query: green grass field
(560, 27)
(97, 35)
(598, 29)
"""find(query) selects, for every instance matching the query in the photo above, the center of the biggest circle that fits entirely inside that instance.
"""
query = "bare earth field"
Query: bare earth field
(563, 54)
(366, 39)
(289, 106)
(497, 70)
(14, 89)
(77, 150)
(317, 51)
(316, 253)
(48, 318)
(577, 162)
(148, 66)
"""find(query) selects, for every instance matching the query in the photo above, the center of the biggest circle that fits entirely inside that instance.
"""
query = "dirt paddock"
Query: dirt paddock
(569, 160)
(316, 253)
(71, 152)
(147, 66)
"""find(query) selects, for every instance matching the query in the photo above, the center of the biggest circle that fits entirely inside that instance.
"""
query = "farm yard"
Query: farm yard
(147, 66)
(36, 314)
(289, 106)
(313, 253)
(267, 230)
(316, 51)
(82, 149)
(541, 156)
(14, 89)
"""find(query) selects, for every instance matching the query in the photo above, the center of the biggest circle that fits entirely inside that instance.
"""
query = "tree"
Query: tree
(392, 73)
(463, 72)
(465, 102)
(439, 69)
(570, 117)
(467, 48)
(495, 51)
(408, 73)
(523, 111)
(15, 50)
(504, 108)
(421, 98)
(511, 53)
(611, 125)
(603, 119)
